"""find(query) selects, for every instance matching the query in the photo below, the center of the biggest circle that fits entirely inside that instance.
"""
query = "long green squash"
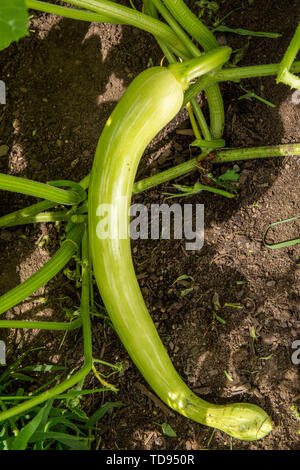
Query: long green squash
(150, 102)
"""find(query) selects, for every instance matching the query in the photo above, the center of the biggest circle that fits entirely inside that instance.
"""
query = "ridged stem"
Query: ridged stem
(46, 272)
(41, 325)
(284, 74)
(132, 17)
(206, 39)
(151, 9)
(72, 13)
(222, 156)
(87, 342)
(41, 190)
(235, 74)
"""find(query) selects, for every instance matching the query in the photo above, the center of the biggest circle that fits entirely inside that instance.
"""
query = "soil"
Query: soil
(62, 84)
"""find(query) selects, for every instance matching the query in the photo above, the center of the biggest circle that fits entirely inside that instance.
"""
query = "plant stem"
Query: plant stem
(87, 341)
(206, 39)
(191, 24)
(281, 150)
(235, 74)
(193, 68)
(252, 71)
(282, 244)
(45, 273)
(14, 218)
(72, 13)
(193, 121)
(37, 189)
(284, 75)
(201, 119)
(221, 157)
(149, 6)
(41, 325)
(188, 43)
(126, 15)
(32, 214)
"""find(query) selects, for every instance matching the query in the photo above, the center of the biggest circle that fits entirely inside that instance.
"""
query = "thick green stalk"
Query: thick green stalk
(41, 325)
(190, 46)
(281, 150)
(284, 75)
(84, 15)
(201, 119)
(60, 216)
(252, 71)
(87, 341)
(149, 6)
(37, 189)
(46, 272)
(222, 156)
(193, 68)
(206, 39)
(14, 218)
(235, 74)
(20, 216)
(72, 13)
(191, 24)
(132, 17)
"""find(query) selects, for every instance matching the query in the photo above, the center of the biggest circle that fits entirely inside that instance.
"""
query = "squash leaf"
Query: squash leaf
(13, 21)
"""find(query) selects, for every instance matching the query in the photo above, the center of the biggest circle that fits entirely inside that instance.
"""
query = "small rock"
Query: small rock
(271, 283)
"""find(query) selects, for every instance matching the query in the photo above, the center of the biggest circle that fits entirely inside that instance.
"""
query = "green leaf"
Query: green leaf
(186, 291)
(220, 319)
(42, 368)
(13, 21)
(20, 442)
(251, 94)
(74, 442)
(228, 376)
(101, 412)
(246, 32)
(167, 430)
(229, 175)
(183, 277)
(233, 305)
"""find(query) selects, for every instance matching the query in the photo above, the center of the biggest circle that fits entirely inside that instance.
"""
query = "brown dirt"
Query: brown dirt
(63, 81)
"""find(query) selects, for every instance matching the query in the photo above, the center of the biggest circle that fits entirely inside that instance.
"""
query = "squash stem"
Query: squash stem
(222, 156)
(72, 13)
(193, 68)
(123, 14)
(87, 343)
(284, 75)
(46, 272)
(45, 191)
